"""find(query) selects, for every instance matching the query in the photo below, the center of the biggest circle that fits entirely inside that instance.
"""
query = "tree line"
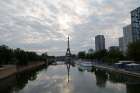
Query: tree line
(19, 56)
(114, 55)
(102, 56)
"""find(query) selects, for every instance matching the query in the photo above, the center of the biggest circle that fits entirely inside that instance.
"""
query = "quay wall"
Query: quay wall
(9, 70)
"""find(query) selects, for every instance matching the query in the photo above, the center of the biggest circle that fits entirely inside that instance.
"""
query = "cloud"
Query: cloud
(43, 25)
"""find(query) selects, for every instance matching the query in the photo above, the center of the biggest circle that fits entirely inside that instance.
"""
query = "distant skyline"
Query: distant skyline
(43, 25)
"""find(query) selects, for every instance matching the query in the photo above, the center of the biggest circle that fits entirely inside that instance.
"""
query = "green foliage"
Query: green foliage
(6, 54)
(44, 56)
(110, 56)
(114, 56)
(18, 56)
(100, 55)
(89, 55)
(82, 54)
(134, 51)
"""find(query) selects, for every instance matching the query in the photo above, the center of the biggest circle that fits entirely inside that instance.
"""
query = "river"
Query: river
(54, 79)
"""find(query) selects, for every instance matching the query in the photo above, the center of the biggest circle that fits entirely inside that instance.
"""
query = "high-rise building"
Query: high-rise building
(127, 35)
(121, 44)
(99, 42)
(135, 21)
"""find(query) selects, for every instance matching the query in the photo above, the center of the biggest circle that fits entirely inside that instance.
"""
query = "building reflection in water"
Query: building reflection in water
(117, 78)
(133, 88)
(18, 82)
(68, 71)
(132, 83)
(69, 63)
(101, 78)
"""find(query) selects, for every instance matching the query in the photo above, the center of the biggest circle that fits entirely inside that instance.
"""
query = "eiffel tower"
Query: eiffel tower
(68, 58)
(68, 52)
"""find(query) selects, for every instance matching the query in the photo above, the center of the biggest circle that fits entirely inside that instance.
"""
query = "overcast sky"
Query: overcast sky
(43, 25)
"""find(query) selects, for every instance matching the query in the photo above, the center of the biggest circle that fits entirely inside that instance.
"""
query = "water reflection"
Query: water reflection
(101, 78)
(23, 78)
(133, 88)
(19, 81)
(54, 79)
(69, 62)
(68, 70)
(120, 78)
(7, 85)
(117, 78)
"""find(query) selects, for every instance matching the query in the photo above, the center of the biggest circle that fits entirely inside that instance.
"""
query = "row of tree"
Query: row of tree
(19, 56)
(103, 55)
(113, 55)
(134, 51)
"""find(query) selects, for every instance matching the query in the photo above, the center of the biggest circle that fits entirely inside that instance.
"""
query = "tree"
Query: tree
(114, 55)
(99, 55)
(6, 55)
(82, 54)
(19, 56)
(133, 51)
(90, 56)
(44, 56)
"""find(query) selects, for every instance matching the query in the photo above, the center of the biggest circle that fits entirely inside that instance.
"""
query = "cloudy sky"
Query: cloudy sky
(43, 25)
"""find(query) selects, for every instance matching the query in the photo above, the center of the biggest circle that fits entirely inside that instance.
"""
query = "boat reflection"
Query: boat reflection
(85, 66)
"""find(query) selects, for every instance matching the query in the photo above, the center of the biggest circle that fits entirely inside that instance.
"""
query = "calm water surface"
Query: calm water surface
(54, 79)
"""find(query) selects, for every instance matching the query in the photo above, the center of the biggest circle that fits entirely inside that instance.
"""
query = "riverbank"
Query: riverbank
(117, 70)
(9, 70)
(109, 68)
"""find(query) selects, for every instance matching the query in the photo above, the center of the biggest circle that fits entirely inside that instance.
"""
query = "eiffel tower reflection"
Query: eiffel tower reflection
(68, 59)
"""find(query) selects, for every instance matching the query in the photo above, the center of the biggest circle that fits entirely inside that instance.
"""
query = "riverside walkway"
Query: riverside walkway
(117, 70)
(9, 70)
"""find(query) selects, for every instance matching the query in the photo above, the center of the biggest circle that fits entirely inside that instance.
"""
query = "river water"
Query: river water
(54, 79)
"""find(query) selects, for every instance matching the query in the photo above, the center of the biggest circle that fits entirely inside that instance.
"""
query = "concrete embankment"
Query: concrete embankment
(9, 70)
(121, 71)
